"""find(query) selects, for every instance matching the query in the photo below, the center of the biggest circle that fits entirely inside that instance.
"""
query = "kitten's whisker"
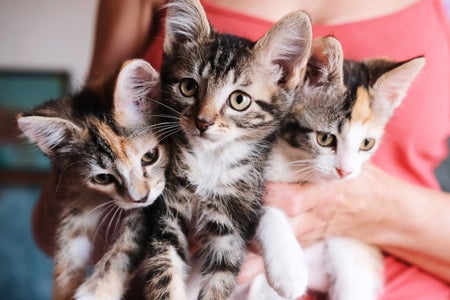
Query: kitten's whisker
(168, 107)
(107, 211)
(158, 126)
(108, 232)
(165, 134)
(102, 205)
(118, 221)
(109, 208)
(162, 124)
(167, 116)
(306, 173)
(168, 133)
(301, 162)
(166, 126)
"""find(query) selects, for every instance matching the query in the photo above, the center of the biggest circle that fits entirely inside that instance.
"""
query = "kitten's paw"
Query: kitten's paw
(289, 282)
(284, 260)
(87, 292)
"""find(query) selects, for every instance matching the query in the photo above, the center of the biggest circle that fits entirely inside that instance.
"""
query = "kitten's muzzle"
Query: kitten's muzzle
(202, 124)
(133, 200)
(343, 173)
(142, 200)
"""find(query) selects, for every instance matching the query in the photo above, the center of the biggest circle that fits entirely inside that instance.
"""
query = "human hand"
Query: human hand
(352, 207)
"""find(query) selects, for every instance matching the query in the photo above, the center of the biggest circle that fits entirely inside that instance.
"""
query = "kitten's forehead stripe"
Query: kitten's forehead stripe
(116, 144)
(102, 144)
(361, 111)
(266, 106)
(225, 55)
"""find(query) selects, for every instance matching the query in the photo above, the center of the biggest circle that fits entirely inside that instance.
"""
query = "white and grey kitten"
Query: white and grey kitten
(226, 97)
(109, 163)
(335, 125)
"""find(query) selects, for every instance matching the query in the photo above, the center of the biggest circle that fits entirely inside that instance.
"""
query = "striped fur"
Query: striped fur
(109, 163)
(335, 125)
(214, 191)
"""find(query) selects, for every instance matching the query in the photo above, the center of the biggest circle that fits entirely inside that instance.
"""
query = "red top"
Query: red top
(415, 139)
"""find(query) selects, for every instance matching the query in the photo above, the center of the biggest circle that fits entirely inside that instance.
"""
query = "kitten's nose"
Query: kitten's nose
(343, 173)
(203, 124)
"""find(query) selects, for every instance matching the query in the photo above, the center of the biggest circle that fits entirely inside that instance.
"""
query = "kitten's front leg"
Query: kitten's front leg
(112, 272)
(74, 247)
(356, 269)
(283, 257)
(222, 258)
(165, 267)
(223, 247)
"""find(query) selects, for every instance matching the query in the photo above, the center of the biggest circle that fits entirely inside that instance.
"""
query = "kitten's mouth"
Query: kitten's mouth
(201, 136)
(131, 204)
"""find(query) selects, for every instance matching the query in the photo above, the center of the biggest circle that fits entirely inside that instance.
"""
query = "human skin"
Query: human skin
(400, 218)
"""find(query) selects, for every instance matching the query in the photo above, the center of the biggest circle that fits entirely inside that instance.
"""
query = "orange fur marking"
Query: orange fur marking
(361, 110)
(118, 144)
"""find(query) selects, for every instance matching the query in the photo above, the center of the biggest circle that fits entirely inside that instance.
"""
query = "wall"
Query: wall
(47, 34)
(36, 35)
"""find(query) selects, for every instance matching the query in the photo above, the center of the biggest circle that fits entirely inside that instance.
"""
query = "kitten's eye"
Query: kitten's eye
(103, 179)
(367, 144)
(326, 139)
(239, 101)
(150, 157)
(188, 87)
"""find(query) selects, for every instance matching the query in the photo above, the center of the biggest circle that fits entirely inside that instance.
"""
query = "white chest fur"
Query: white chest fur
(216, 170)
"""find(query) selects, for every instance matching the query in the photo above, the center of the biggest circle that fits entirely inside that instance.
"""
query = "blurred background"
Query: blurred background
(45, 49)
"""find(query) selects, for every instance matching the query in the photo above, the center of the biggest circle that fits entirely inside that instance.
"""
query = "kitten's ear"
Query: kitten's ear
(186, 22)
(136, 94)
(392, 79)
(325, 66)
(287, 46)
(47, 132)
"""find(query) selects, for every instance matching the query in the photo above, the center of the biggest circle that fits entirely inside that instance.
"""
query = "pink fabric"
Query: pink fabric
(415, 141)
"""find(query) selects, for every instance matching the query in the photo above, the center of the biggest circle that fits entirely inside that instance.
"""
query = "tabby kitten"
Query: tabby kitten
(109, 161)
(226, 97)
(336, 125)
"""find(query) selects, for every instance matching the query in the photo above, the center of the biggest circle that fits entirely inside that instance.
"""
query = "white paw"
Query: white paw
(289, 279)
(82, 293)
(87, 292)
(284, 259)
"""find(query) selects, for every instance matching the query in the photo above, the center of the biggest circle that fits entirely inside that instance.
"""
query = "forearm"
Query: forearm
(45, 217)
(416, 228)
(407, 221)
(122, 31)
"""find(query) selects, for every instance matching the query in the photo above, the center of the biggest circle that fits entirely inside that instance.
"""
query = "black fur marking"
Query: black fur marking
(268, 107)
(100, 144)
(217, 228)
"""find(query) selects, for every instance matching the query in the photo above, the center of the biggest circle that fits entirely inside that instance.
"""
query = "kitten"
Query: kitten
(226, 97)
(110, 162)
(335, 125)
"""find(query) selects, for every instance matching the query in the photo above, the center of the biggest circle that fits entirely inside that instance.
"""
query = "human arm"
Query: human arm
(405, 220)
(123, 30)
(45, 216)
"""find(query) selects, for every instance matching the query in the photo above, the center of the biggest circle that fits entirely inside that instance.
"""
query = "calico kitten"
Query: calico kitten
(336, 125)
(226, 97)
(108, 158)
